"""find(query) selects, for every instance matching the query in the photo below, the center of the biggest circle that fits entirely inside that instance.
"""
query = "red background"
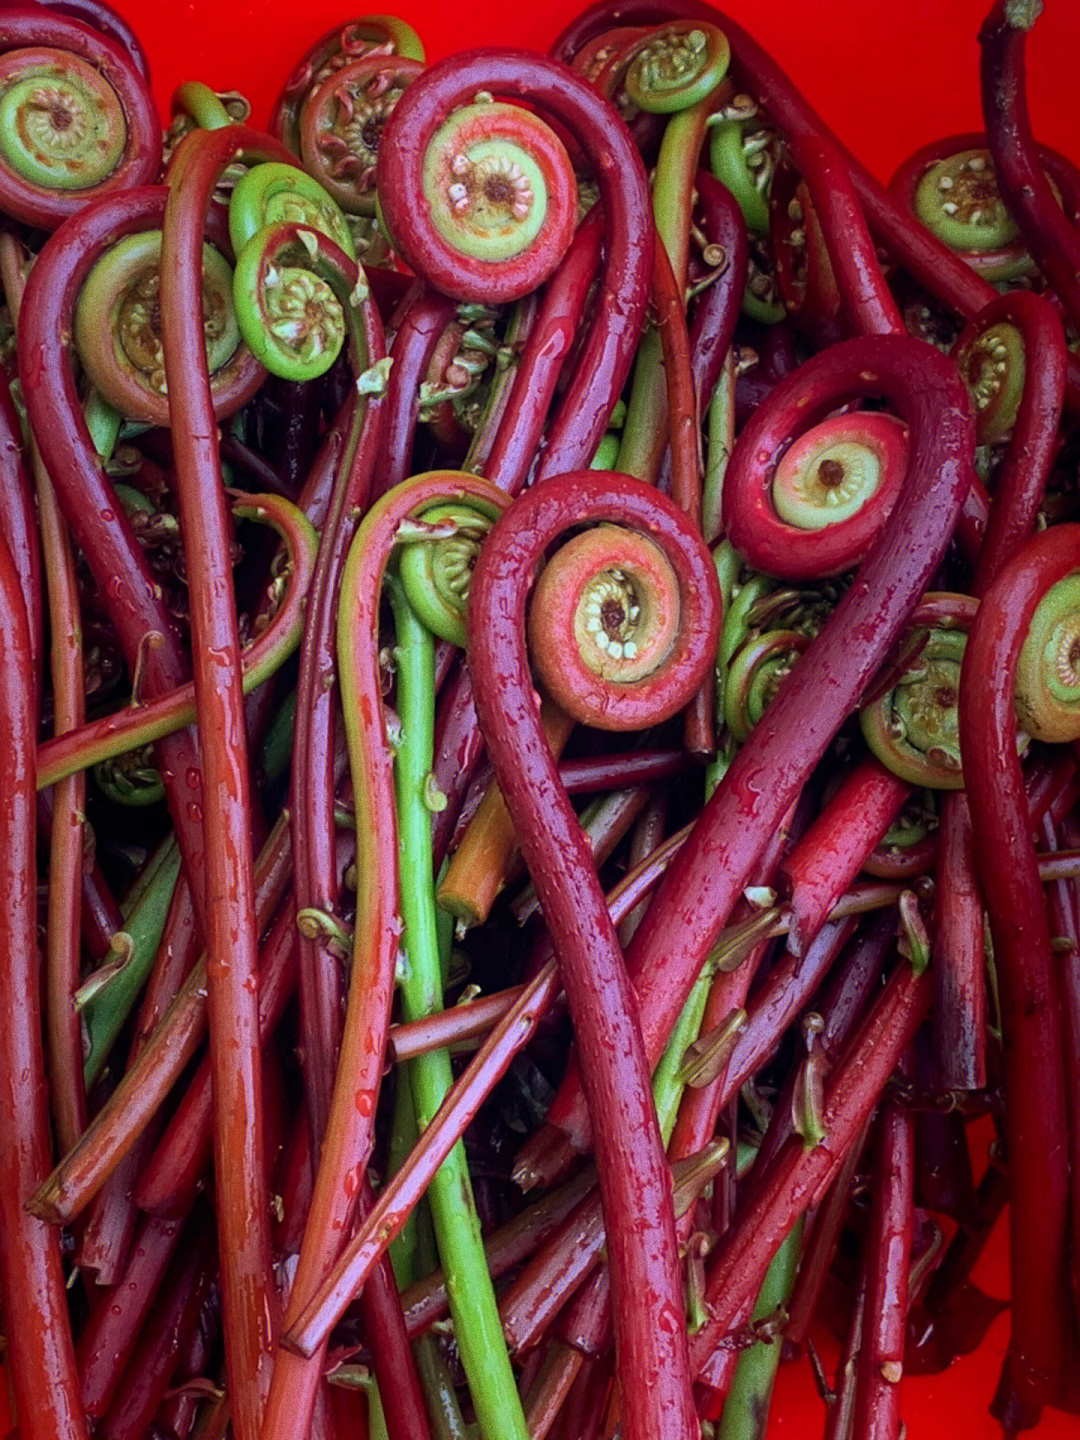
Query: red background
(887, 77)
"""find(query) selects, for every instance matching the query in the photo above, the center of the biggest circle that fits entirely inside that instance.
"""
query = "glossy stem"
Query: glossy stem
(699, 892)
(746, 1410)
(478, 867)
(1035, 1116)
(112, 1330)
(960, 1012)
(377, 928)
(854, 982)
(530, 1305)
(637, 1205)
(477, 1328)
(606, 823)
(822, 1236)
(117, 1126)
(1021, 179)
(550, 344)
(1032, 447)
(715, 316)
(651, 418)
(1064, 920)
(825, 862)
(683, 438)
(888, 1263)
(176, 1168)
(248, 1296)
(175, 1315)
(95, 517)
(867, 298)
(144, 721)
(67, 843)
(800, 1176)
(415, 340)
(785, 990)
(405, 1189)
(311, 782)
(40, 1357)
(18, 525)
(426, 1300)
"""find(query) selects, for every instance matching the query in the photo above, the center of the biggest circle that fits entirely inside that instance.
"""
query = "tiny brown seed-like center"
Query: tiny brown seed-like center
(830, 474)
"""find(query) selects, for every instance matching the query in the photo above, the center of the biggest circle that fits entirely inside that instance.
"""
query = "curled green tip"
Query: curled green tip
(273, 194)
(677, 66)
(290, 317)
(203, 105)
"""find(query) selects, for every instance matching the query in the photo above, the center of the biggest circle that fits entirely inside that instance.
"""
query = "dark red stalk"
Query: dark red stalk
(406, 1188)
(312, 784)
(418, 333)
(18, 524)
(838, 1424)
(1035, 1117)
(699, 892)
(174, 1173)
(458, 1025)
(607, 828)
(1052, 240)
(960, 1012)
(550, 342)
(959, 954)
(67, 840)
(699, 1109)
(636, 1191)
(248, 1296)
(831, 853)
(799, 1176)
(174, 1318)
(682, 429)
(40, 1357)
(95, 517)
(458, 748)
(785, 990)
(718, 308)
(533, 1299)
(857, 976)
(545, 1399)
(116, 1127)
(391, 1355)
(67, 843)
(870, 307)
(888, 1262)
(1033, 444)
(177, 1413)
(819, 1246)
(401, 1193)
(30, 27)
(117, 1319)
(1064, 920)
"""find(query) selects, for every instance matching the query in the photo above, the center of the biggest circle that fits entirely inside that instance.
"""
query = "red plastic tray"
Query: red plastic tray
(887, 78)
